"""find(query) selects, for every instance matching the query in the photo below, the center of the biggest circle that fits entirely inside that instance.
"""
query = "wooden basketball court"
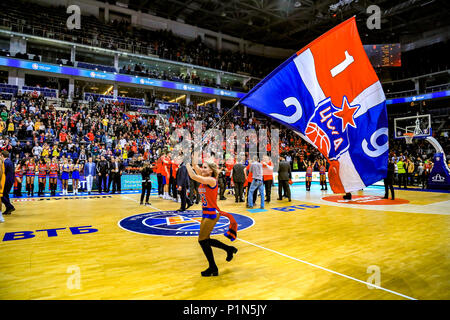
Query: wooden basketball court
(318, 249)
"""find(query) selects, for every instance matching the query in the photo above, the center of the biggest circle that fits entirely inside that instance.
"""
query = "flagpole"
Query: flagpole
(221, 119)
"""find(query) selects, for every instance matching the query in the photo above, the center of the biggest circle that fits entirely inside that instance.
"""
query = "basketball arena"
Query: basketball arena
(304, 143)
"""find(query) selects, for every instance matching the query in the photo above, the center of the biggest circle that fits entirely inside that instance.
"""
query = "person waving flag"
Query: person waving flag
(329, 94)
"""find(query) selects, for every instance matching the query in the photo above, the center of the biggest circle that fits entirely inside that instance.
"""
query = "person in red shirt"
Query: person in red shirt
(42, 176)
(229, 164)
(267, 176)
(173, 174)
(63, 136)
(207, 177)
(30, 174)
(249, 182)
(322, 172)
(157, 170)
(165, 164)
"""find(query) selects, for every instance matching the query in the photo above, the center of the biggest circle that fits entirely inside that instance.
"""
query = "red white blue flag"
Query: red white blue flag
(330, 94)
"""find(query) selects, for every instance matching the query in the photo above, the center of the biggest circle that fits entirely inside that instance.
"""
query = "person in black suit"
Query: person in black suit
(182, 182)
(146, 183)
(239, 177)
(9, 181)
(222, 180)
(116, 175)
(284, 175)
(389, 180)
(102, 173)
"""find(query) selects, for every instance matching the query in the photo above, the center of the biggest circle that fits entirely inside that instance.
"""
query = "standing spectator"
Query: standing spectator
(117, 169)
(9, 174)
(420, 174)
(267, 176)
(284, 175)
(221, 180)
(89, 173)
(102, 173)
(401, 173)
(409, 172)
(111, 173)
(182, 180)
(146, 183)
(389, 180)
(239, 178)
(256, 170)
(2, 184)
(426, 172)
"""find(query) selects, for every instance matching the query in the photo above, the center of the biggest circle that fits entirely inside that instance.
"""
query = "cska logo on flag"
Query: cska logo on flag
(329, 93)
(329, 121)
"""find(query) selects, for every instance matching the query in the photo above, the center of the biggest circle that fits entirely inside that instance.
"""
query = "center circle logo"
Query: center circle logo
(366, 200)
(178, 224)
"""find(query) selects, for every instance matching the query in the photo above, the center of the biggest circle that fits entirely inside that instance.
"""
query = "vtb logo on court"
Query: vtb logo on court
(178, 224)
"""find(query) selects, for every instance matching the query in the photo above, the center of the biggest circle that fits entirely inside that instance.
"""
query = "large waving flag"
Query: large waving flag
(329, 93)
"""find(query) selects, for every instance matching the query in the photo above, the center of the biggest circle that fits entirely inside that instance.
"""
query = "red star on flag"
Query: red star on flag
(346, 114)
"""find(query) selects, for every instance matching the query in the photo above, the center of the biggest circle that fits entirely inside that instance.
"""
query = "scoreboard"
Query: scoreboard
(384, 55)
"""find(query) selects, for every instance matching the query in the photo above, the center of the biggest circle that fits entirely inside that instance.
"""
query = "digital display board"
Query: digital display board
(92, 74)
(384, 55)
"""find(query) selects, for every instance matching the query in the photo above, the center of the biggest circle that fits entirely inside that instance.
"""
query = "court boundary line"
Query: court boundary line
(310, 264)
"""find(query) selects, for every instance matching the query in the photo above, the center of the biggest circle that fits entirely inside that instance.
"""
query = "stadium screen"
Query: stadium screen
(384, 55)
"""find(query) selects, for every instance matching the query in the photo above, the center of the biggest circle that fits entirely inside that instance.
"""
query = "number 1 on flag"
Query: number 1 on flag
(343, 65)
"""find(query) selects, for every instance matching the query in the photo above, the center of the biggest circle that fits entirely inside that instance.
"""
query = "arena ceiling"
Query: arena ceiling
(294, 23)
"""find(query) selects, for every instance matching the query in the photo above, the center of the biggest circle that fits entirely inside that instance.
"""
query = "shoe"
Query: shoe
(392, 198)
(289, 200)
(148, 204)
(231, 253)
(223, 198)
(261, 207)
(279, 199)
(141, 203)
(8, 211)
(250, 207)
(181, 210)
(236, 201)
(210, 272)
(385, 197)
(1, 218)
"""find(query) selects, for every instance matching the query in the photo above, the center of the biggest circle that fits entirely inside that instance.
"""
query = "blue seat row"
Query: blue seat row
(96, 67)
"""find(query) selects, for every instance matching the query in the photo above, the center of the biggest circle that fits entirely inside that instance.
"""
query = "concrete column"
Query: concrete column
(219, 42)
(241, 46)
(71, 88)
(17, 44)
(417, 85)
(106, 14)
(188, 98)
(16, 77)
(73, 52)
(115, 90)
(219, 103)
(219, 78)
(116, 61)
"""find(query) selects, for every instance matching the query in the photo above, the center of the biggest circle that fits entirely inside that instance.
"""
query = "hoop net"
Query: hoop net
(408, 137)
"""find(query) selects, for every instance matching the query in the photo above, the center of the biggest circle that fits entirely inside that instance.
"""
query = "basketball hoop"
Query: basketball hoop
(408, 137)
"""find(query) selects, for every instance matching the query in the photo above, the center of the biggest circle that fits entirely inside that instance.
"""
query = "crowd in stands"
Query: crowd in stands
(37, 128)
(120, 34)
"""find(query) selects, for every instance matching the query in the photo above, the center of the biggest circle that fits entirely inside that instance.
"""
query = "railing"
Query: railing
(141, 49)
(399, 94)
(438, 87)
